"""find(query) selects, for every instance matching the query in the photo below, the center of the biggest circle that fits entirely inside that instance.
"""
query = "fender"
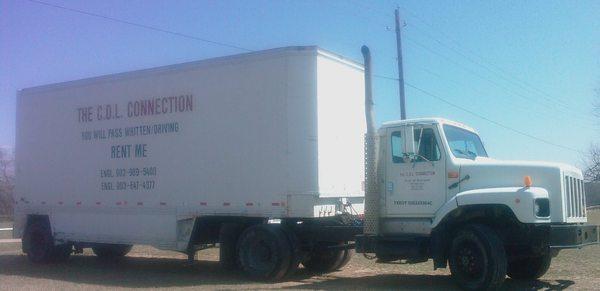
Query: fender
(519, 199)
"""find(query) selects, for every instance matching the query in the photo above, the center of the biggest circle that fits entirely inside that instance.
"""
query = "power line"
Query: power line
(502, 75)
(492, 121)
(492, 81)
(461, 85)
(567, 110)
(494, 69)
(249, 50)
(489, 66)
(479, 115)
(158, 29)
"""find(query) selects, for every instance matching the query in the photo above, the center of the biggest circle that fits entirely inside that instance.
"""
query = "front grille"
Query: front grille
(575, 196)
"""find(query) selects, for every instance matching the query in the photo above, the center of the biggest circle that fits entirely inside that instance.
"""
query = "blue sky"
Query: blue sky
(533, 66)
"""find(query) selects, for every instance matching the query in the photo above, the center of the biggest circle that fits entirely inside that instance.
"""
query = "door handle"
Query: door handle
(454, 185)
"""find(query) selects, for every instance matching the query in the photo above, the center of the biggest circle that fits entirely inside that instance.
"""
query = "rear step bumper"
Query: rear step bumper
(573, 236)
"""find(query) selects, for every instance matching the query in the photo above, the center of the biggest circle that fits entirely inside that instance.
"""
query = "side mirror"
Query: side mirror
(409, 141)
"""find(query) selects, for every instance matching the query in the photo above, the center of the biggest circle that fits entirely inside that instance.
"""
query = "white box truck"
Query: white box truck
(185, 156)
(235, 150)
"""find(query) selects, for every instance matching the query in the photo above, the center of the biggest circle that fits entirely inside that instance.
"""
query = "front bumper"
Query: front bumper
(572, 236)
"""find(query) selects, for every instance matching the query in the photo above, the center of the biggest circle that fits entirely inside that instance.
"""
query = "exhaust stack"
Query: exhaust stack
(371, 154)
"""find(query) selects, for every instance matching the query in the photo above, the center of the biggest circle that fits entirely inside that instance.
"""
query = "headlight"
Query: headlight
(542, 207)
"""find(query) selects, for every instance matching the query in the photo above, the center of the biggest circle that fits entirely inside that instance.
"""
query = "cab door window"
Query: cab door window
(428, 147)
(397, 146)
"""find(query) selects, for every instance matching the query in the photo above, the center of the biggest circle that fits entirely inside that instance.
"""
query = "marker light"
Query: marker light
(452, 175)
(527, 181)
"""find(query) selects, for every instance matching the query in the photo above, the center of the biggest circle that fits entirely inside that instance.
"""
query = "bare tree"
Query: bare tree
(592, 171)
(596, 108)
(7, 182)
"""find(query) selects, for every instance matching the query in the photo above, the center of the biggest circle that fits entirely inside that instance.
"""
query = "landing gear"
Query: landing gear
(38, 243)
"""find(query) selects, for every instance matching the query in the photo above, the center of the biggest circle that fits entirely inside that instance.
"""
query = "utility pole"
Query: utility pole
(400, 67)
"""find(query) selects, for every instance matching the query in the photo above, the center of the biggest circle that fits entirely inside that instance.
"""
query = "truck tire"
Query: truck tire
(228, 238)
(327, 260)
(298, 254)
(264, 252)
(38, 242)
(529, 268)
(110, 251)
(347, 257)
(477, 258)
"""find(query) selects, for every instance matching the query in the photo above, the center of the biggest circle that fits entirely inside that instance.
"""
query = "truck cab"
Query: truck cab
(437, 194)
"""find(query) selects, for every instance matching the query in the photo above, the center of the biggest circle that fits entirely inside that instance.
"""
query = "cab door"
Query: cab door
(415, 181)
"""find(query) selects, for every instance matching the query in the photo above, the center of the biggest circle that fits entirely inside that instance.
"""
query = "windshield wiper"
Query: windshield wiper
(468, 154)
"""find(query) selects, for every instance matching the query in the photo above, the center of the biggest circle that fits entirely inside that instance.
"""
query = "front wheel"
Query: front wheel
(529, 268)
(477, 258)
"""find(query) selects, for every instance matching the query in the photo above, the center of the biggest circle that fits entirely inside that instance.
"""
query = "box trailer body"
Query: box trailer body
(127, 158)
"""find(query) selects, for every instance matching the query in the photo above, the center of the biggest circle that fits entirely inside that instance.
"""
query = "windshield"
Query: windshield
(463, 143)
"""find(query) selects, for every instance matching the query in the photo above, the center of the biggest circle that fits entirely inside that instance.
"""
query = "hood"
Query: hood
(491, 173)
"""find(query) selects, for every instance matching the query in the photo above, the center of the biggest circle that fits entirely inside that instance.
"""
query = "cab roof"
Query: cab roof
(426, 120)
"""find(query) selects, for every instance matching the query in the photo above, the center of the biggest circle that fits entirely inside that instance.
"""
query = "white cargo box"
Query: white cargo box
(123, 157)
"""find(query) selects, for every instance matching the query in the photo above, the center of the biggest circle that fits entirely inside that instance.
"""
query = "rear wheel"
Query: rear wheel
(326, 259)
(477, 259)
(228, 237)
(529, 268)
(347, 257)
(264, 252)
(297, 253)
(108, 251)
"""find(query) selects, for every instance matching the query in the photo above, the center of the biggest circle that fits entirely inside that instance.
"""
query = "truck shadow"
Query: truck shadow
(381, 282)
(144, 272)
(419, 282)
(134, 272)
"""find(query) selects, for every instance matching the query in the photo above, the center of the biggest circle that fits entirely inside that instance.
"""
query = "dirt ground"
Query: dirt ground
(146, 267)
(5, 234)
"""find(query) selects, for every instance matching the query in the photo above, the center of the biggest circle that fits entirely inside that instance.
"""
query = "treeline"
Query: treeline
(7, 182)
(592, 193)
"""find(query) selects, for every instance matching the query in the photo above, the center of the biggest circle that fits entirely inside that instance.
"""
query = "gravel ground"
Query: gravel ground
(146, 267)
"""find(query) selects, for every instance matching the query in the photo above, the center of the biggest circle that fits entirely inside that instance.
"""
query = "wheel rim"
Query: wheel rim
(263, 256)
(263, 252)
(470, 261)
